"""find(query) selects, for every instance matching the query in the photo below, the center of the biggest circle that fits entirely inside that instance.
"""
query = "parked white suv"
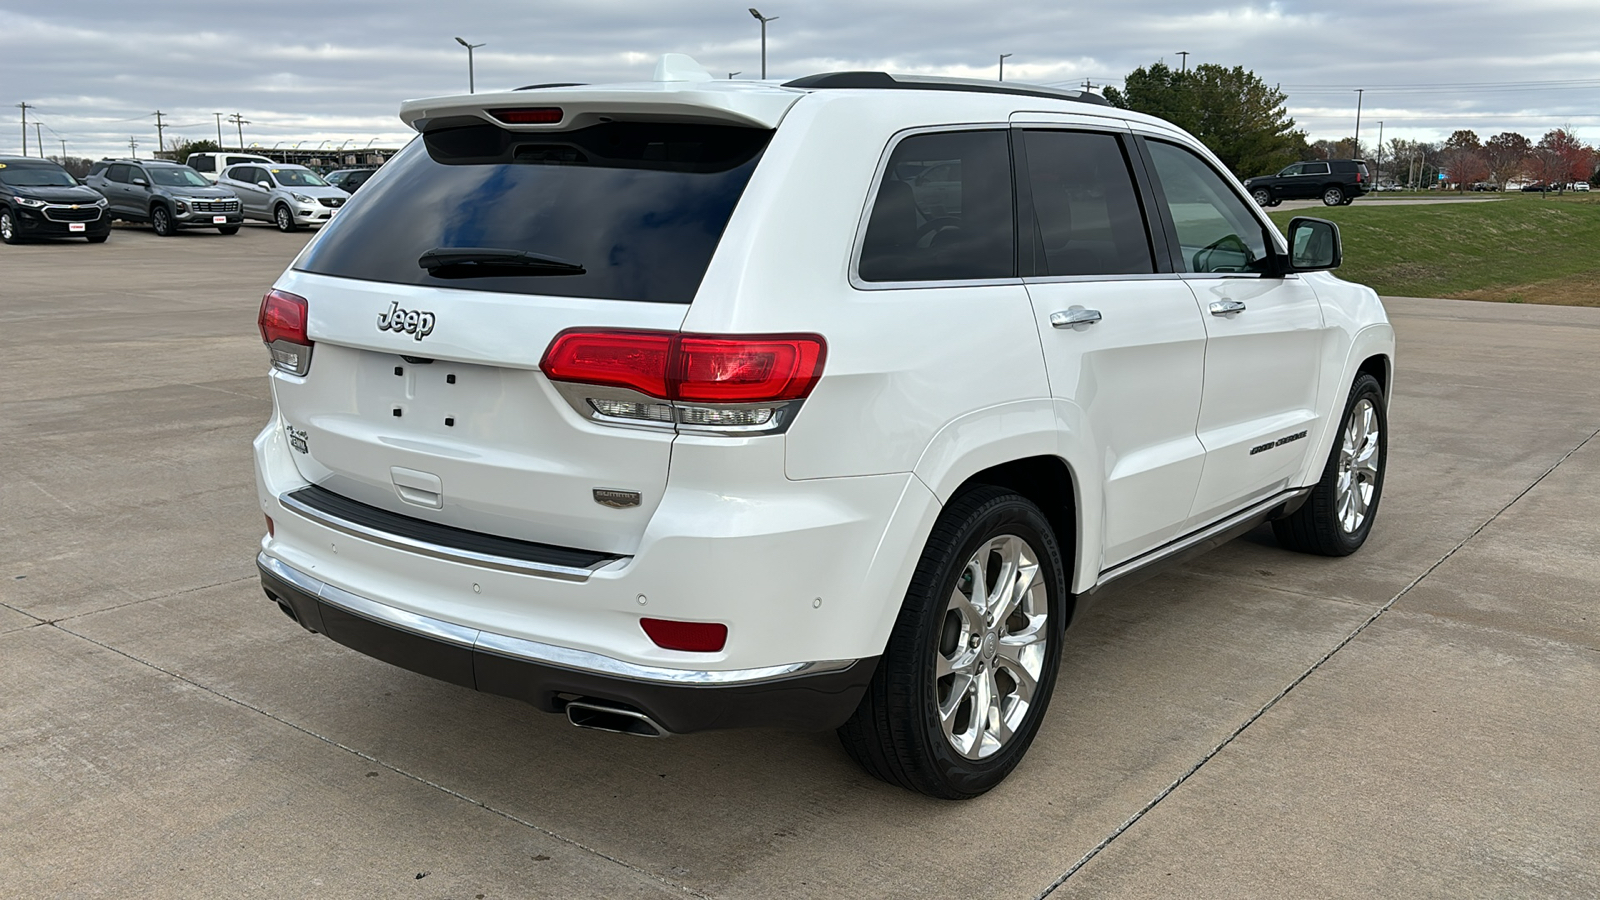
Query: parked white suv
(696, 404)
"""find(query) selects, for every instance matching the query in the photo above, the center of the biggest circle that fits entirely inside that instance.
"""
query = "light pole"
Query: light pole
(219, 130)
(1003, 66)
(763, 20)
(1359, 92)
(1185, 55)
(472, 86)
(731, 74)
(1380, 152)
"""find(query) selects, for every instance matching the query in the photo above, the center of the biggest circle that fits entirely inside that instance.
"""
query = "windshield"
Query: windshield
(35, 176)
(639, 206)
(176, 176)
(298, 178)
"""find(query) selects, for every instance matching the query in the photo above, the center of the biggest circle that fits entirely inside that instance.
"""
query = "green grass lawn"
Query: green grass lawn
(1521, 249)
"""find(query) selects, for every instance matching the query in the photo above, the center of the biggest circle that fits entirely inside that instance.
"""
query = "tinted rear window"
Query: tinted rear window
(641, 206)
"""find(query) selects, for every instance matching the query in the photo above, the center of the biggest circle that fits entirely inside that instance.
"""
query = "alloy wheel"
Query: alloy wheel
(992, 647)
(6, 229)
(1358, 466)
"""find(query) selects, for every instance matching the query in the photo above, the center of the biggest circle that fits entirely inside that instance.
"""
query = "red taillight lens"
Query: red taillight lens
(283, 330)
(283, 318)
(546, 115)
(689, 367)
(745, 369)
(271, 531)
(695, 637)
(636, 360)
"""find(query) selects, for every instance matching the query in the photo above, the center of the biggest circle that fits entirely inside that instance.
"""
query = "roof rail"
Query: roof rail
(553, 84)
(885, 81)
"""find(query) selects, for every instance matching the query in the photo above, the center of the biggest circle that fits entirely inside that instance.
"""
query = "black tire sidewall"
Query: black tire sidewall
(1002, 514)
(157, 215)
(13, 237)
(1326, 192)
(284, 219)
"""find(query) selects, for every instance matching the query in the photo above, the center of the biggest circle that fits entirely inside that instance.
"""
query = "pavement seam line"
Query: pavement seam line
(179, 593)
(360, 754)
(1223, 744)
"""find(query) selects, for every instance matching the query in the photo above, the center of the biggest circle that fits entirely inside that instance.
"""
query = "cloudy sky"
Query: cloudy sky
(336, 71)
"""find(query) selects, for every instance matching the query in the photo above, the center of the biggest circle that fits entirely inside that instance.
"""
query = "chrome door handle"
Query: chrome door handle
(1227, 307)
(1074, 316)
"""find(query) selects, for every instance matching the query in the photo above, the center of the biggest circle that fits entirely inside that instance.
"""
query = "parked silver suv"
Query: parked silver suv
(289, 196)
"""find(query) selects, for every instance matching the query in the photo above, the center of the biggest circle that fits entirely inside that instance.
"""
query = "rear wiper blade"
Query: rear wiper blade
(492, 262)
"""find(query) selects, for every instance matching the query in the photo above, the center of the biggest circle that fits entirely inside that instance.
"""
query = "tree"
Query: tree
(181, 152)
(1560, 157)
(1231, 111)
(1507, 156)
(1463, 139)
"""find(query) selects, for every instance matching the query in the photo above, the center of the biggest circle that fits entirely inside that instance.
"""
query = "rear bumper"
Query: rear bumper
(802, 696)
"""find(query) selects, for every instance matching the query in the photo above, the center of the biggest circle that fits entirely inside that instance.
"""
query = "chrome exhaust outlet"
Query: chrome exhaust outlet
(602, 716)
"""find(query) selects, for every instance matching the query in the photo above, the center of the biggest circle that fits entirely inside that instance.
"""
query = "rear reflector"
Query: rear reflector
(545, 115)
(271, 532)
(695, 368)
(695, 637)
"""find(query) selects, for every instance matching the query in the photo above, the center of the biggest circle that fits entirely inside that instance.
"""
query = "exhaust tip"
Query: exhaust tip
(602, 716)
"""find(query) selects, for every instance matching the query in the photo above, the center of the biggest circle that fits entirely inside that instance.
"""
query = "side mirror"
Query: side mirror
(264, 185)
(141, 182)
(1313, 245)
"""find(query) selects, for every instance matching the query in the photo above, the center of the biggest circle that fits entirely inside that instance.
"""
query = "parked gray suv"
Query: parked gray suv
(167, 195)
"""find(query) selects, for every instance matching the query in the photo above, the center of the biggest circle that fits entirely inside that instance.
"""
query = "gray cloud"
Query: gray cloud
(335, 72)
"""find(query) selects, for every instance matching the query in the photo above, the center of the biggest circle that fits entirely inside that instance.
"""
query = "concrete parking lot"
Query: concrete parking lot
(1418, 720)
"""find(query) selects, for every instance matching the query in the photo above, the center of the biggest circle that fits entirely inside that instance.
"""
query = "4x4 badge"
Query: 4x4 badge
(406, 321)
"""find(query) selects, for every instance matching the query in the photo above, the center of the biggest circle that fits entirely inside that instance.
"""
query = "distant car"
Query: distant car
(1581, 186)
(288, 196)
(1335, 182)
(210, 165)
(41, 200)
(349, 179)
(1485, 186)
(1537, 187)
(167, 195)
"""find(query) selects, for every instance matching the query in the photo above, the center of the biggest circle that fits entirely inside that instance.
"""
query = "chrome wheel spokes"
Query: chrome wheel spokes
(992, 645)
(1358, 467)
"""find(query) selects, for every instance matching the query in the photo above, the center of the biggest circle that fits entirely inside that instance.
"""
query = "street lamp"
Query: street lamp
(345, 144)
(731, 74)
(472, 87)
(1003, 66)
(763, 20)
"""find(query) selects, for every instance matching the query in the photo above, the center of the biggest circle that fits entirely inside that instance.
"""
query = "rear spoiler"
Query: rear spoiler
(681, 92)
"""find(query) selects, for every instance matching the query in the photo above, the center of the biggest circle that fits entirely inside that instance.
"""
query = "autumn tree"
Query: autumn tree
(1507, 156)
(1231, 111)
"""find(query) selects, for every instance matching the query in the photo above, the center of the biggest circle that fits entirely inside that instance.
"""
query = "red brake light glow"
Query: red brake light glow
(546, 115)
(694, 368)
(695, 637)
(283, 318)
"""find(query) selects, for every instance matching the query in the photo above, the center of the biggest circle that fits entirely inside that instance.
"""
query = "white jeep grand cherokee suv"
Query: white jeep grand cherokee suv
(698, 404)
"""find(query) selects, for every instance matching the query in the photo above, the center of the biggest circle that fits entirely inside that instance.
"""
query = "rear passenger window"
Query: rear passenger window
(1215, 229)
(1085, 207)
(943, 211)
(203, 163)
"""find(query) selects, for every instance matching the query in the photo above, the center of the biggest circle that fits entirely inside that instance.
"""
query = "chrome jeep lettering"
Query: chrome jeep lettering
(406, 321)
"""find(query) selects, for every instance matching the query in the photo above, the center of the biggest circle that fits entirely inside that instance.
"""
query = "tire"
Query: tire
(1262, 196)
(903, 732)
(8, 228)
(284, 219)
(1332, 196)
(161, 221)
(1336, 519)
(228, 229)
(97, 238)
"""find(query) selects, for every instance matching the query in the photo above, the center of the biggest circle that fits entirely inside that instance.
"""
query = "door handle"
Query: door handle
(1073, 317)
(1227, 307)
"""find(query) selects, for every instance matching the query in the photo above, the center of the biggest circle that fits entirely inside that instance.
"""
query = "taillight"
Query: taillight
(710, 382)
(283, 329)
(695, 637)
(546, 115)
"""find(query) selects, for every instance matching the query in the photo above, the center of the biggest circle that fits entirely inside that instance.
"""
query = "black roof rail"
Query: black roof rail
(885, 81)
(553, 84)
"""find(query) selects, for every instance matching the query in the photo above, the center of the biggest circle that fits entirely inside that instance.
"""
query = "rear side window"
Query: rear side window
(943, 211)
(202, 163)
(638, 206)
(1085, 208)
(1314, 169)
(120, 172)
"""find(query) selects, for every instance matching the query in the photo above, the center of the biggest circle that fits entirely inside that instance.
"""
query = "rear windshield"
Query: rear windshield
(638, 206)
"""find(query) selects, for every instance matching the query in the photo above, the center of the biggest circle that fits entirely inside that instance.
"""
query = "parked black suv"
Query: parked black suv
(39, 199)
(166, 195)
(1333, 181)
